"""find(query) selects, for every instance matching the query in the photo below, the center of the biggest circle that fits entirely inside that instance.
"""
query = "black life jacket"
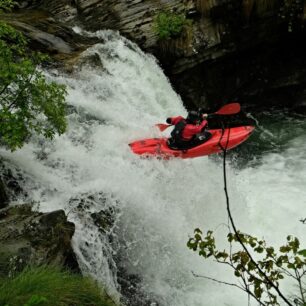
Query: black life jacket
(176, 134)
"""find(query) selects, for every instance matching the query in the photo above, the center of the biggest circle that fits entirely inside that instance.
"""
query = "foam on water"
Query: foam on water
(154, 204)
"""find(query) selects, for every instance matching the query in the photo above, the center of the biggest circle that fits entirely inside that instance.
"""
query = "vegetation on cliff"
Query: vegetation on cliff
(169, 25)
(29, 104)
(49, 286)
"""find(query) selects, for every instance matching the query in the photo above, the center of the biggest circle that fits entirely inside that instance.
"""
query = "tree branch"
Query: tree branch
(298, 277)
(245, 289)
(217, 281)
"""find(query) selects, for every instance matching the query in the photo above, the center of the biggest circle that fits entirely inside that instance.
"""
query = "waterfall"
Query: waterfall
(148, 207)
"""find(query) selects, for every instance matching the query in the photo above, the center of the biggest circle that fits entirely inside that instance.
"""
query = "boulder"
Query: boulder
(33, 238)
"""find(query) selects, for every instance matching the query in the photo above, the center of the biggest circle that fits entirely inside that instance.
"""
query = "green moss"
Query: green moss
(49, 286)
(169, 25)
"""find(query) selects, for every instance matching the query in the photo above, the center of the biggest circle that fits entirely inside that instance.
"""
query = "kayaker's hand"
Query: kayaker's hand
(204, 116)
(168, 120)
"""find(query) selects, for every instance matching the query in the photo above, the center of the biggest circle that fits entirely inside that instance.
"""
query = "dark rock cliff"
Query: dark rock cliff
(246, 50)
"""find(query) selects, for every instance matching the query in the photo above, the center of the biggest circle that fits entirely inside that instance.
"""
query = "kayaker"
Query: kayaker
(188, 132)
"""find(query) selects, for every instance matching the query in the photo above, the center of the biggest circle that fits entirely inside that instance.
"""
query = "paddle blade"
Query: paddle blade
(162, 126)
(229, 109)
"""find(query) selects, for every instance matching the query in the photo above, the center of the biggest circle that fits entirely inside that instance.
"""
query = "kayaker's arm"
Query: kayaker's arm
(174, 120)
(212, 116)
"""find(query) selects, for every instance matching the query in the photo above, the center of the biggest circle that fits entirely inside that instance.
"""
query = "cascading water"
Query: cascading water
(275, 187)
(148, 206)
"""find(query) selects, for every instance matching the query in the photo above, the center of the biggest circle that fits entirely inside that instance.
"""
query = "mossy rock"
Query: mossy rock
(33, 238)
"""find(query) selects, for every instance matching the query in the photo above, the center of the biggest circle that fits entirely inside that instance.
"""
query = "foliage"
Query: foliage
(258, 277)
(6, 5)
(35, 300)
(47, 286)
(169, 25)
(28, 103)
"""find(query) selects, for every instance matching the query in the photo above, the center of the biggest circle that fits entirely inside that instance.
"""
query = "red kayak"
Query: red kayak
(228, 139)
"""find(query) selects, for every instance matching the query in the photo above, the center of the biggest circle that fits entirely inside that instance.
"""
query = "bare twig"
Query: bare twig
(217, 281)
(303, 221)
(245, 289)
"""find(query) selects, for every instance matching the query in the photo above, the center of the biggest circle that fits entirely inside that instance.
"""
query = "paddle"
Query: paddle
(228, 109)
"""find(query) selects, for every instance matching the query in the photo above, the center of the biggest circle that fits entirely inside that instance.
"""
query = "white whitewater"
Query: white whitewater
(155, 204)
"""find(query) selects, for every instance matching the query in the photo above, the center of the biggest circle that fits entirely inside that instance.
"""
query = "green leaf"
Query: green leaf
(198, 231)
(209, 233)
(251, 266)
(302, 252)
(259, 249)
(223, 255)
(237, 273)
(197, 237)
(192, 244)
(270, 251)
(203, 253)
(284, 249)
(230, 237)
(258, 291)
(291, 266)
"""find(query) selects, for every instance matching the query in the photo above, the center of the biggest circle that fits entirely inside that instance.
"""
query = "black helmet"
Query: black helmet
(193, 116)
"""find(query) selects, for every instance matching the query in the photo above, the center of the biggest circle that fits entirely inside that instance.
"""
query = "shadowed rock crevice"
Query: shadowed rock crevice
(3, 195)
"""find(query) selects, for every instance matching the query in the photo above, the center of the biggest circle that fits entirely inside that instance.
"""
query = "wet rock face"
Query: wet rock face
(50, 35)
(208, 63)
(264, 76)
(3, 195)
(64, 10)
(32, 238)
(10, 189)
(133, 18)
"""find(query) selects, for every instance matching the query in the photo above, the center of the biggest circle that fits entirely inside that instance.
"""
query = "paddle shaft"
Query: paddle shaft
(228, 109)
